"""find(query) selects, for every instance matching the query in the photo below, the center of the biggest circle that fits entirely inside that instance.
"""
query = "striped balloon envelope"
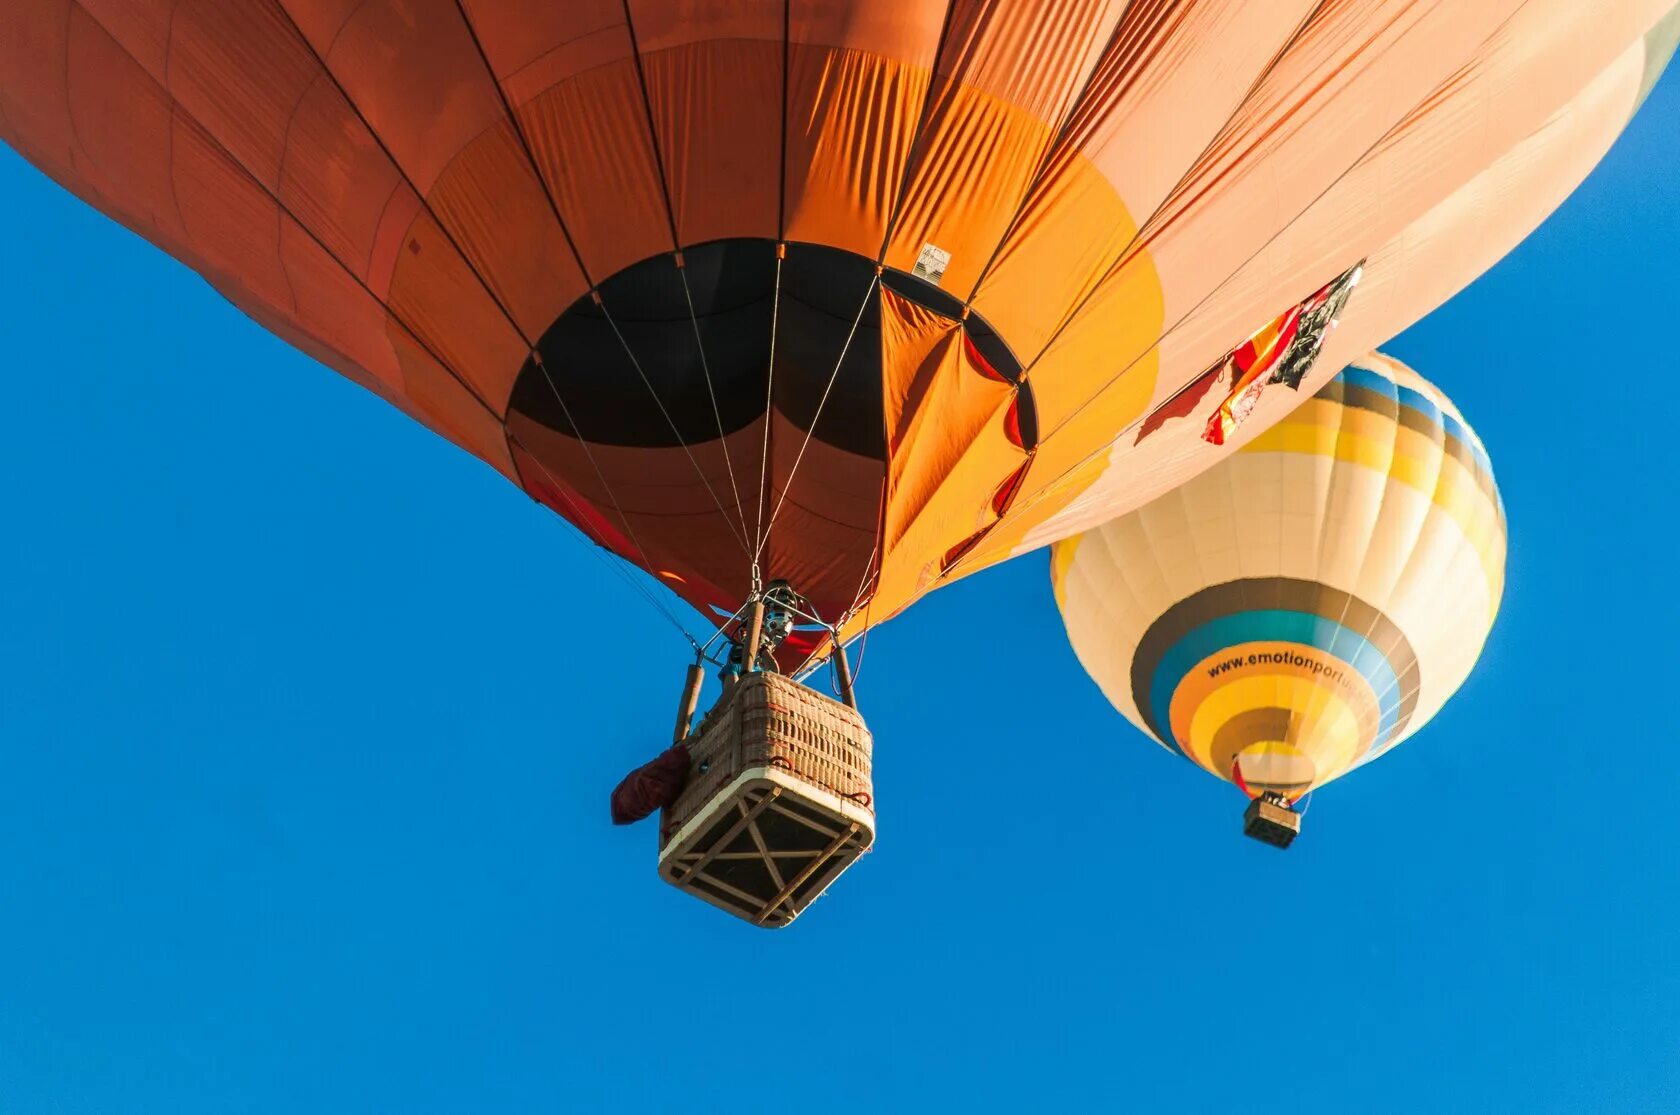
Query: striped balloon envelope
(1308, 603)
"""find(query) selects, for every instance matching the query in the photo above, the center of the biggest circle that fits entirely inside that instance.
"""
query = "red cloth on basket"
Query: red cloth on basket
(651, 786)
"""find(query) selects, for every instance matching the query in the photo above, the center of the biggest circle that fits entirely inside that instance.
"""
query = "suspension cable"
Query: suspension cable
(601, 550)
(811, 429)
(669, 421)
(769, 417)
(706, 371)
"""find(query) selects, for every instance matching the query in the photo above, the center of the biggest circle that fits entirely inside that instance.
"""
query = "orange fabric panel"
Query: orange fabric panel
(589, 134)
(491, 200)
(1007, 78)
(857, 78)
(660, 506)
(717, 109)
(851, 119)
(937, 404)
(519, 35)
(570, 73)
(952, 513)
(253, 121)
(122, 147)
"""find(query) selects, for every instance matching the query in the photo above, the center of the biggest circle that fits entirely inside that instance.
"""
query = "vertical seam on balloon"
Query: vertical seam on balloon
(1051, 151)
(624, 342)
(676, 247)
(524, 143)
(923, 116)
(652, 130)
(425, 203)
(781, 165)
(280, 204)
(1192, 310)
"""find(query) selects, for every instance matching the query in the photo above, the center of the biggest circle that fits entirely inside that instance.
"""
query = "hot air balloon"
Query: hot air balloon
(864, 295)
(860, 297)
(1302, 607)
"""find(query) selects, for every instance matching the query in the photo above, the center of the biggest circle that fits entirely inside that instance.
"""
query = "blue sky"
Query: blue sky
(299, 812)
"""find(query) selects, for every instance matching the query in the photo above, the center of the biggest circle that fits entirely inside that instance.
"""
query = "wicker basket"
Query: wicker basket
(778, 802)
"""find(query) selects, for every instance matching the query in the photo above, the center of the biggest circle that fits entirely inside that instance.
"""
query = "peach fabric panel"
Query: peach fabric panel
(1437, 255)
(1519, 79)
(1424, 265)
(1174, 75)
(181, 187)
(413, 70)
(1325, 103)
(495, 207)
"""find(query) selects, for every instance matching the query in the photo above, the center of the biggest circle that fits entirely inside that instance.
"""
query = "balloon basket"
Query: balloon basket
(778, 802)
(1269, 820)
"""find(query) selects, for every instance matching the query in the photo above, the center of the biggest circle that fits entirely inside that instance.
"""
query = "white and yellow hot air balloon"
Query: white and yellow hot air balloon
(1306, 604)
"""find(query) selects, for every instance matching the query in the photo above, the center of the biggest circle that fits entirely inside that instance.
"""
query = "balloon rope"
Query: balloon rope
(706, 371)
(787, 486)
(769, 399)
(601, 550)
(669, 421)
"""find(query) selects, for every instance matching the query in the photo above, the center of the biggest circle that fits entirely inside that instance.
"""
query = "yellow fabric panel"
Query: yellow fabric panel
(936, 410)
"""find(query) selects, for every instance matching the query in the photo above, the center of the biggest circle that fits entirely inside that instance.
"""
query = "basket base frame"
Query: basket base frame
(723, 857)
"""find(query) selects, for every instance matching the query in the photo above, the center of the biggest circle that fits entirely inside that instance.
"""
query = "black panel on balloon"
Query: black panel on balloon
(639, 378)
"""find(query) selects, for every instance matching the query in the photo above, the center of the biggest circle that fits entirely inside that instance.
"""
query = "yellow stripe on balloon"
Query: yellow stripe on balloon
(1409, 457)
(1332, 739)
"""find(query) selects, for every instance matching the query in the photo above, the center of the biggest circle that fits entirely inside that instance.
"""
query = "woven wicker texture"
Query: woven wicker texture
(766, 846)
(774, 721)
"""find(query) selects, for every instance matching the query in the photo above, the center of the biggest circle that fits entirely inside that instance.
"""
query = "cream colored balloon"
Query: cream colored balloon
(1309, 602)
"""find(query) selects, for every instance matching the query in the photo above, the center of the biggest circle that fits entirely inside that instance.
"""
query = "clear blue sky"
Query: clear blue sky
(297, 814)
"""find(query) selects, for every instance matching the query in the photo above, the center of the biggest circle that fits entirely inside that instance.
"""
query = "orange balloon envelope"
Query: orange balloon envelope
(862, 295)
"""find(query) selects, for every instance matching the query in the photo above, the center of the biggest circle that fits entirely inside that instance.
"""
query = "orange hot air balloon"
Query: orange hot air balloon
(862, 295)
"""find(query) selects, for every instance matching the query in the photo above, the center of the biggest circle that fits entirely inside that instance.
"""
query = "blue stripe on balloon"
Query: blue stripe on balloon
(1415, 400)
(1276, 626)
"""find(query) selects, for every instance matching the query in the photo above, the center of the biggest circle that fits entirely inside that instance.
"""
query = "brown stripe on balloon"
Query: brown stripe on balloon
(1364, 398)
(1288, 594)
